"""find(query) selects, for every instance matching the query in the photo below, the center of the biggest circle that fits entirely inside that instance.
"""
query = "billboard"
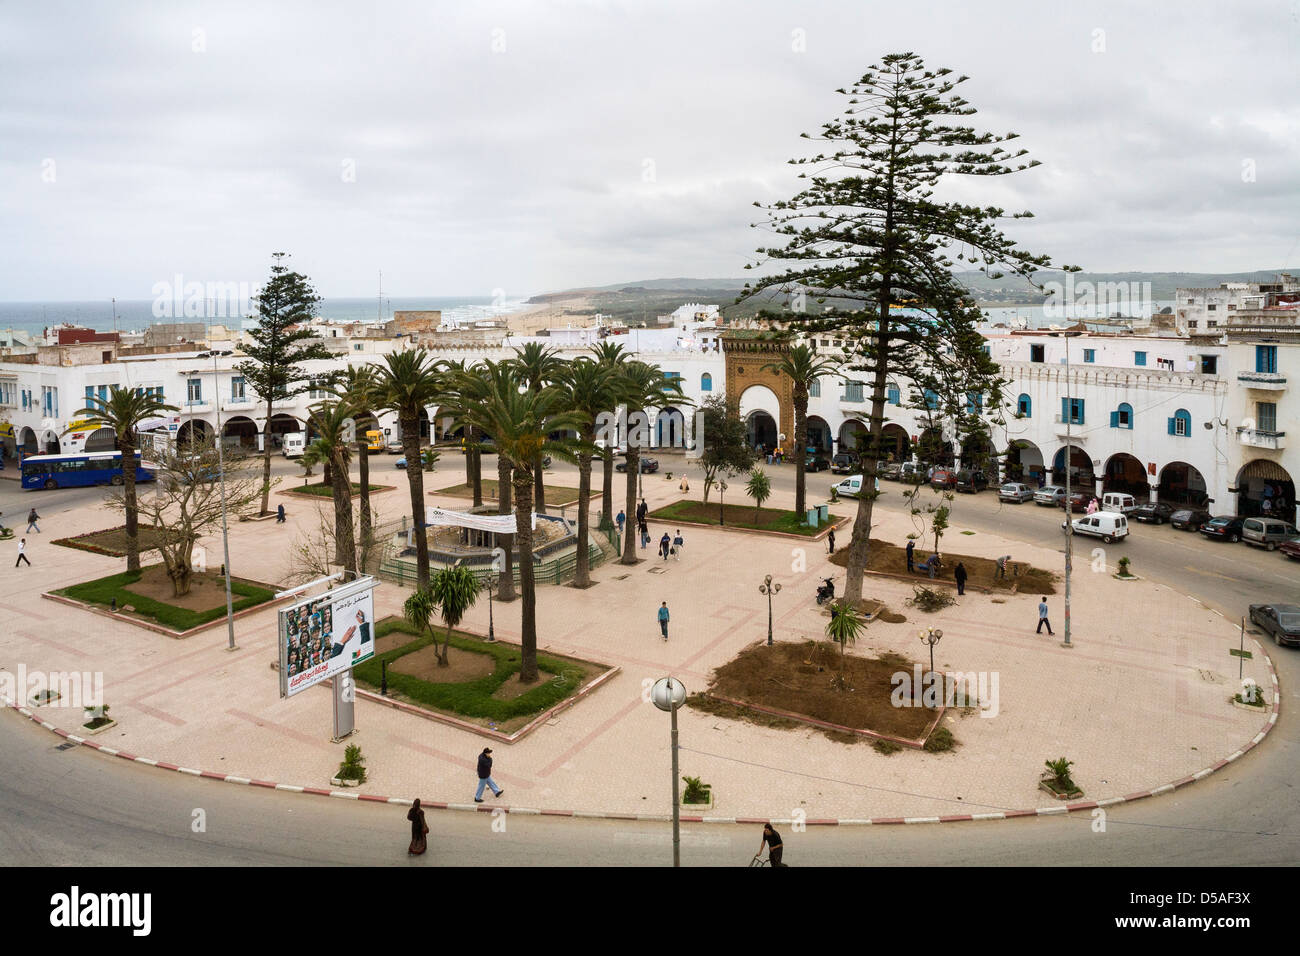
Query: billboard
(323, 636)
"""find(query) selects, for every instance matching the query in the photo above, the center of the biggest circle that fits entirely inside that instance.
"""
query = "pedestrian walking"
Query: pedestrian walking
(279, 514)
(663, 619)
(645, 537)
(485, 776)
(621, 520)
(1042, 617)
(419, 829)
(959, 575)
(830, 542)
(911, 546)
(1002, 565)
(775, 848)
(32, 518)
(641, 512)
(685, 485)
(678, 543)
(665, 543)
(22, 553)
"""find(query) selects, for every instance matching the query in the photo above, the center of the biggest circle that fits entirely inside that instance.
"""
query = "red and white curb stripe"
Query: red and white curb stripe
(1064, 808)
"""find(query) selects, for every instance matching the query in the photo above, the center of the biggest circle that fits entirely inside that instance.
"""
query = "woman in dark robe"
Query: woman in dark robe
(419, 829)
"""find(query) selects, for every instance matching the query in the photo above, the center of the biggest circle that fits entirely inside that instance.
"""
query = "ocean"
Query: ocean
(138, 314)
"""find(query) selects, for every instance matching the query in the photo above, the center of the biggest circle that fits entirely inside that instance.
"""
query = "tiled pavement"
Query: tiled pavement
(1141, 701)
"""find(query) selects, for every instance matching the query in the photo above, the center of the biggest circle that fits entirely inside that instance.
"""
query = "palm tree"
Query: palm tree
(406, 383)
(123, 411)
(612, 356)
(591, 389)
(356, 385)
(522, 422)
(759, 487)
(458, 385)
(455, 589)
(538, 366)
(803, 366)
(332, 421)
(843, 628)
(642, 387)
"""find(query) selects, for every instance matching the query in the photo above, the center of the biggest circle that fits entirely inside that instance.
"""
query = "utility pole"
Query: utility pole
(1069, 507)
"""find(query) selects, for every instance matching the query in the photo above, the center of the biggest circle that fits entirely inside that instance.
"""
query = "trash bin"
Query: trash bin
(823, 513)
(811, 518)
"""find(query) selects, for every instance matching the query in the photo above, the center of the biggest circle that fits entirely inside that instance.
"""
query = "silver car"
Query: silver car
(1014, 491)
(1051, 495)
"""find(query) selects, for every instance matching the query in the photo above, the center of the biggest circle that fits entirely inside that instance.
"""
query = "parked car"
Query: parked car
(850, 487)
(400, 463)
(1223, 528)
(1079, 501)
(648, 466)
(890, 471)
(1118, 502)
(843, 463)
(1266, 532)
(1291, 548)
(393, 447)
(943, 479)
(910, 474)
(1106, 525)
(1051, 495)
(1279, 621)
(1014, 491)
(815, 463)
(970, 482)
(1153, 512)
(1189, 519)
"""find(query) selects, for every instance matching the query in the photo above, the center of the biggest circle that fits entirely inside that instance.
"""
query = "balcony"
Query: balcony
(1260, 438)
(1263, 381)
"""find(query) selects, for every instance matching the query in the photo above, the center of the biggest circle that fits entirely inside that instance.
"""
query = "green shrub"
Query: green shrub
(1058, 774)
(696, 790)
(886, 747)
(353, 766)
(940, 741)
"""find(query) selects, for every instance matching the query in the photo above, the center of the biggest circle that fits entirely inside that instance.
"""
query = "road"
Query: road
(74, 807)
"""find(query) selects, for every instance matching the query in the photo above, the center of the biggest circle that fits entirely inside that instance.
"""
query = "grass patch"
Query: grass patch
(103, 591)
(555, 494)
(886, 747)
(940, 741)
(111, 541)
(322, 490)
(738, 516)
(560, 678)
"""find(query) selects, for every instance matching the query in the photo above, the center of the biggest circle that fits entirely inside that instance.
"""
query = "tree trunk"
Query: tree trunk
(441, 655)
(415, 478)
(127, 447)
(363, 469)
(860, 542)
(266, 459)
(527, 587)
(607, 484)
(506, 583)
(582, 572)
(539, 487)
(633, 469)
(345, 546)
(801, 443)
(474, 466)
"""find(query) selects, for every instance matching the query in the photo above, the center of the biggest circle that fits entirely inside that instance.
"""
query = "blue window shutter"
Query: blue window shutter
(1065, 409)
(1171, 426)
(1080, 422)
(1114, 419)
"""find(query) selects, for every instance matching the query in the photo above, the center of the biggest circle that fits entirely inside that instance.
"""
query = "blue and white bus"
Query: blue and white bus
(76, 471)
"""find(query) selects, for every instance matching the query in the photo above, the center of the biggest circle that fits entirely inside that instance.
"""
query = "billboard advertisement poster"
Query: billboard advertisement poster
(323, 636)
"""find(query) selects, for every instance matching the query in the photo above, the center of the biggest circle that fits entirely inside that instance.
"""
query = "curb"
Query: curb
(1269, 724)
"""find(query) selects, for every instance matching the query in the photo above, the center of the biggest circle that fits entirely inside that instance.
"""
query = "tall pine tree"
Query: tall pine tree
(287, 300)
(870, 230)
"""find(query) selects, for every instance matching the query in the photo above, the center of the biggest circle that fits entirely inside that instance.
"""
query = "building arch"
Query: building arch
(933, 449)
(240, 430)
(760, 429)
(852, 433)
(1081, 474)
(977, 452)
(670, 428)
(1124, 473)
(27, 441)
(819, 435)
(1024, 463)
(1265, 488)
(194, 431)
(1182, 484)
(101, 439)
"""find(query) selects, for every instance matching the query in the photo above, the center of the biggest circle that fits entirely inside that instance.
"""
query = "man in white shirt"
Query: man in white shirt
(22, 555)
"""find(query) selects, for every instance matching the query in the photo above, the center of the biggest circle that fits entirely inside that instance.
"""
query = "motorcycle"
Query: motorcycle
(826, 592)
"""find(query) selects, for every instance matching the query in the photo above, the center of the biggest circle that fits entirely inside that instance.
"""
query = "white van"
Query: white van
(850, 487)
(1106, 525)
(1117, 503)
(293, 444)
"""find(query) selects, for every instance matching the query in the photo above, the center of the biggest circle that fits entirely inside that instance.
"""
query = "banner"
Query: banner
(501, 524)
(324, 636)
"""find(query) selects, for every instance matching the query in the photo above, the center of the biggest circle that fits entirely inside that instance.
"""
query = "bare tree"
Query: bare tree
(311, 555)
(186, 502)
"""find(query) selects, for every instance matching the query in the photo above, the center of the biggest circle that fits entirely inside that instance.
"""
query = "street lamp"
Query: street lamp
(768, 588)
(491, 583)
(669, 694)
(1069, 506)
(722, 508)
(221, 476)
(931, 636)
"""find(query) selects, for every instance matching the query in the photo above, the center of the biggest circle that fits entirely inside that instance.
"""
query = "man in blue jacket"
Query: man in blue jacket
(485, 776)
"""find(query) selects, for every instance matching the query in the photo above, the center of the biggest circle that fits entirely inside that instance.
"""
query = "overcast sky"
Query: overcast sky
(469, 147)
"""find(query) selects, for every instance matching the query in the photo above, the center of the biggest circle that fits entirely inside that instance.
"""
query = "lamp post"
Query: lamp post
(931, 636)
(768, 588)
(1069, 506)
(722, 508)
(221, 476)
(491, 583)
(669, 694)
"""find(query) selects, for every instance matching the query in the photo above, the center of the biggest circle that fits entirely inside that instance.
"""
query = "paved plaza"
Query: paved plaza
(1141, 701)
